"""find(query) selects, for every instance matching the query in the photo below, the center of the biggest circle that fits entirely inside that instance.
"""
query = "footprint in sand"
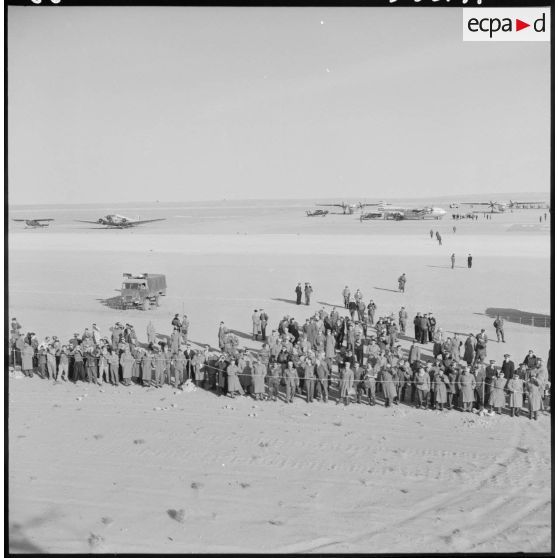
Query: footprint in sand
(95, 541)
(177, 515)
(196, 485)
(139, 441)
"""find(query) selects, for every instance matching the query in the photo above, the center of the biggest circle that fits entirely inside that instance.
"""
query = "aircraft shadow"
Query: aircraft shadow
(389, 290)
(287, 300)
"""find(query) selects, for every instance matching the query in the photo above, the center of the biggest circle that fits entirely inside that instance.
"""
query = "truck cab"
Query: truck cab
(142, 290)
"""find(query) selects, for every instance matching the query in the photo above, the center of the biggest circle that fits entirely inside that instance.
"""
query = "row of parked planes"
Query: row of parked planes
(384, 210)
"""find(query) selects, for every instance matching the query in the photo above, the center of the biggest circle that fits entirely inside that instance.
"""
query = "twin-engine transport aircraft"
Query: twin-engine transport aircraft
(34, 223)
(400, 213)
(348, 208)
(118, 222)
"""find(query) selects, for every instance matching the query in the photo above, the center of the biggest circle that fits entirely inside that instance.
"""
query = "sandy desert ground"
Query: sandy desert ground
(134, 470)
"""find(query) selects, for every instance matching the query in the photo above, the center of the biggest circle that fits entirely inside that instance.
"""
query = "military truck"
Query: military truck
(142, 291)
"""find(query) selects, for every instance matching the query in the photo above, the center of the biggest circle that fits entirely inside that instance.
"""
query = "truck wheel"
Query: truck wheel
(157, 300)
(145, 304)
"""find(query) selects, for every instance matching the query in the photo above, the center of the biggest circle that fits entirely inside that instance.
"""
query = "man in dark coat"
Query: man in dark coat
(491, 373)
(499, 327)
(416, 323)
(469, 261)
(423, 329)
(298, 291)
(508, 367)
(264, 318)
(481, 390)
(531, 359)
(431, 327)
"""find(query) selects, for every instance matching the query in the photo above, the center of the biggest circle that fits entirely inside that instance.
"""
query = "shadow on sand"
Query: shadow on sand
(332, 305)
(240, 334)
(388, 290)
(114, 302)
(287, 300)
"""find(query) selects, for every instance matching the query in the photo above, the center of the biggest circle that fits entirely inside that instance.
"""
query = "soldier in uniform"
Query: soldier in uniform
(298, 291)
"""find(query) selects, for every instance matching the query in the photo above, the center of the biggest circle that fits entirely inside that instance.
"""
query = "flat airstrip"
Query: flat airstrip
(104, 469)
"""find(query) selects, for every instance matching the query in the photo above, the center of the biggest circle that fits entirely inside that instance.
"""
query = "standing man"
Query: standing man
(482, 342)
(452, 258)
(298, 291)
(403, 319)
(469, 261)
(264, 318)
(401, 281)
(508, 367)
(431, 327)
(256, 325)
(221, 335)
(499, 326)
(371, 311)
(346, 296)
(307, 293)
(151, 334)
(439, 238)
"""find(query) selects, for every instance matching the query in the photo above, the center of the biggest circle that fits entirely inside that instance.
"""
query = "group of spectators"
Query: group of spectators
(349, 357)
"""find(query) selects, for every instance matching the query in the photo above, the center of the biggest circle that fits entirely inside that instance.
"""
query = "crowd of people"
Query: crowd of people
(348, 355)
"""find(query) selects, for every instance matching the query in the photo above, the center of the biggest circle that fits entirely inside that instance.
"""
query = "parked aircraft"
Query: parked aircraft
(317, 213)
(118, 221)
(399, 213)
(34, 223)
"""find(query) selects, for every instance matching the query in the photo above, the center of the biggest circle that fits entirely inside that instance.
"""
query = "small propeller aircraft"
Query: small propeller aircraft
(118, 221)
(528, 204)
(34, 223)
(317, 213)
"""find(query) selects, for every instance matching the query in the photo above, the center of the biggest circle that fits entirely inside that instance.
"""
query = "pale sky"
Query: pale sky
(184, 104)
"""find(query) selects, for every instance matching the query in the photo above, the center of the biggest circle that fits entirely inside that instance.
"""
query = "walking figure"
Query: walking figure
(469, 261)
(452, 261)
(401, 281)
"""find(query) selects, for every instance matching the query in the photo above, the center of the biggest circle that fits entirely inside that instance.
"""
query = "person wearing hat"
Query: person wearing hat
(291, 381)
(221, 336)
(179, 365)
(534, 397)
(491, 373)
(176, 324)
(346, 377)
(497, 397)
(499, 327)
(158, 366)
(531, 359)
(27, 360)
(403, 316)
(422, 387)
(308, 290)
(112, 360)
(401, 280)
(264, 318)
(79, 370)
(298, 292)
(508, 367)
(467, 387)
(233, 385)
(515, 387)
(482, 342)
(147, 368)
(322, 374)
(127, 362)
(346, 296)
(258, 380)
(481, 391)
(431, 327)
(256, 325)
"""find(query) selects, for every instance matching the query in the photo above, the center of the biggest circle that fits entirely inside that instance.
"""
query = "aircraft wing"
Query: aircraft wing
(134, 223)
(331, 204)
(41, 219)
(90, 222)
(370, 204)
